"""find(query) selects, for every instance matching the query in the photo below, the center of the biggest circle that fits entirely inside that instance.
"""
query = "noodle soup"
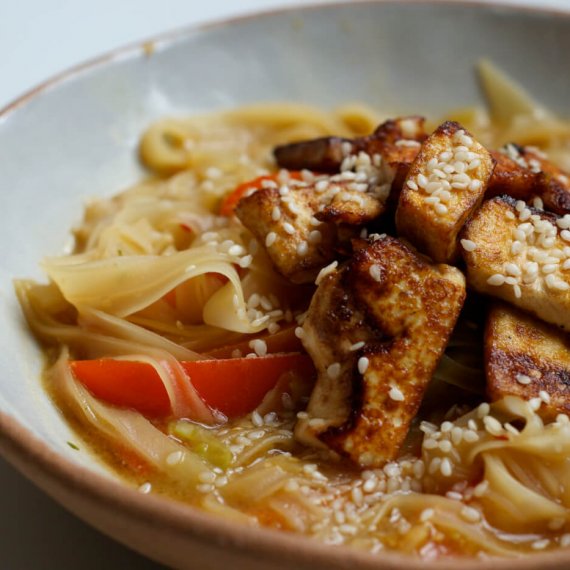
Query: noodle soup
(179, 349)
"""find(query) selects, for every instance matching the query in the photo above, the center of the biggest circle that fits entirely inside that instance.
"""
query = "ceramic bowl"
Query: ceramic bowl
(76, 135)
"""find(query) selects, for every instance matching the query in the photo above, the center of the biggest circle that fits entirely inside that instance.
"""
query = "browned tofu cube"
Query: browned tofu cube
(525, 173)
(376, 329)
(527, 358)
(445, 185)
(301, 224)
(522, 255)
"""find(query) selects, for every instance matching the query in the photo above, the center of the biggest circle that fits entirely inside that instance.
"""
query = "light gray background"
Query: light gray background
(39, 38)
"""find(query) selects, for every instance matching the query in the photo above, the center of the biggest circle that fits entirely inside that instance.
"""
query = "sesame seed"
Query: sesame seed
(470, 514)
(363, 363)
(289, 228)
(357, 346)
(333, 371)
(468, 245)
(315, 236)
(270, 239)
(411, 184)
(445, 445)
(492, 425)
(470, 436)
(523, 379)
(544, 396)
(540, 544)
(256, 419)
(207, 477)
(275, 213)
(497, 279)
(245, 261)
(483, 410)
(426, 515)
(302, 248)
(395, 394)
(259, 346)
(145, 488)
(441, 209)
(429, 443)
(175, 458)
(535, 404)
(375, 272)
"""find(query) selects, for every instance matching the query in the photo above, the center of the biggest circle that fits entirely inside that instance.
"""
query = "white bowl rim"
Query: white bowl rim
(35, 459)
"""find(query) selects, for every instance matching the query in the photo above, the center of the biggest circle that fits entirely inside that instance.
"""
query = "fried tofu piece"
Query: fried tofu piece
(527, 358)
(302, 224)
(397, 141)
(319, 155)
(445, 185)
(376, 329)
(521, 255)
(525, 173)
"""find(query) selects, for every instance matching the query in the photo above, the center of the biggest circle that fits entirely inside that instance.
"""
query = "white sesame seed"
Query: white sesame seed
(357, 346)
(289, 228)
(523, 379)
(535, 404)
(429, 443)
(270, 239)
(145, 488)
(275, 213)
(175, 458)
(468, 245)
(302, 248)
(245, 261)
(395, 394)
(540, 544)
(258, 346)
(256, 419)
(375, 272)
(411, 184)
(363, 363)
(512, 269)
(492, 425)
(333, 371)
(315, 236)
(470, 514)
(426, 515)
(434, 465)
(483, 410)
(497, 279)
(470, 436)
(544, 396)
(207, 477)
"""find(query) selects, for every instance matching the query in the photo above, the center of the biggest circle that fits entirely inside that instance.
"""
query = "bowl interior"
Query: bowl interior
(77, 137)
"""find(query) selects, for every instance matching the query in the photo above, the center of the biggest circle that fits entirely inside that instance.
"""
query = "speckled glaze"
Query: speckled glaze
(76, 136)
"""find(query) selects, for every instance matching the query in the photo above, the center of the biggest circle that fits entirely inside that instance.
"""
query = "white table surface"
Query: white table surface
(39, 38)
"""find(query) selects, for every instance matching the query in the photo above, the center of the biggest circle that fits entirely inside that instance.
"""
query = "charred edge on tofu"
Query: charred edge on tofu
(327, 153)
